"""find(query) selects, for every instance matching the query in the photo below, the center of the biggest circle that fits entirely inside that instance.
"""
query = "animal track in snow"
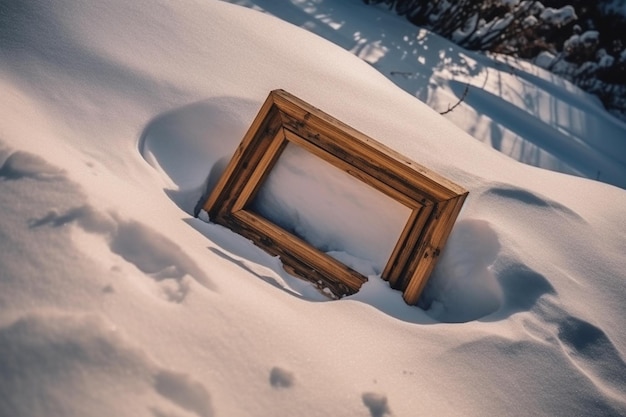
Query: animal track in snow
(525, 197)
(376, 403)
(69, 362)
(20, 164)
(149, 251)
(281, 378)
(184, 391)
(594, 353)
(153, 254)
(594, 356)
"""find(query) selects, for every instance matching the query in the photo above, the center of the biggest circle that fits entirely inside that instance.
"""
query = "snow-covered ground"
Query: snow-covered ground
(114, 300)
(518, 109)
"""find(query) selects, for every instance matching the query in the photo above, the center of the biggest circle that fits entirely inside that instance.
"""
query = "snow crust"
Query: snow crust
(115, 300)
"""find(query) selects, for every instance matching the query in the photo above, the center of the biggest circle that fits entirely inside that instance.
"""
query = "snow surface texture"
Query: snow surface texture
(114, 300)
(521, 110)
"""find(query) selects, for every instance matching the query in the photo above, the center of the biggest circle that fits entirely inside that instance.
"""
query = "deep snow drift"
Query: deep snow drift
(114, 300)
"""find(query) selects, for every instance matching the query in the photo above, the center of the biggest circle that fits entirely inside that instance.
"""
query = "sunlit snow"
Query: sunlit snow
(115, 300)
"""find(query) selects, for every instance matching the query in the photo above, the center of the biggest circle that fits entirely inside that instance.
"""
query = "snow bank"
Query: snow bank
(61, 364)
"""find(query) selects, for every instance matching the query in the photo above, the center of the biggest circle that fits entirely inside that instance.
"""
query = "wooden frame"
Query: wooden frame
(433, 200)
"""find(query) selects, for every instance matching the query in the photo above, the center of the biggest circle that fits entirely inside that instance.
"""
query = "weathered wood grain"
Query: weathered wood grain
(282, 243)
(435, 202)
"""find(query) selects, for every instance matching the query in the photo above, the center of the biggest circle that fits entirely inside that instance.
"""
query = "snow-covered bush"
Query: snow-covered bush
(581, 48)
(581, 41)
(494, 25)
(559, 17)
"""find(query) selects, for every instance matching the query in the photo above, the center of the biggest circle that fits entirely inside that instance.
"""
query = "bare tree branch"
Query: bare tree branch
(458, 102)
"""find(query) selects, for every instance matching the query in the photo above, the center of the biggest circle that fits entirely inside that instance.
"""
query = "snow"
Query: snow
(559, 17)
(368, 226)
(530, 21)
(509, 3)
(605, 60)
(115, 300)
(614, 6)
(545, 59)
(548, 111)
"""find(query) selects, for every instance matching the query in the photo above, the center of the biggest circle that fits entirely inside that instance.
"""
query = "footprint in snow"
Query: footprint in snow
(184, 391)
(64, 360)
(586, 345)
(281, 378)
(155, 255)
(20, 164)
(591, 349)
(376, 403)
(149, 251)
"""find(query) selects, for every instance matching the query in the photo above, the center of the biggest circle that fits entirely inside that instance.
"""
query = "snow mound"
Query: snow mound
(186, 142)
(463, 286)
(62, 364)
(114, 300)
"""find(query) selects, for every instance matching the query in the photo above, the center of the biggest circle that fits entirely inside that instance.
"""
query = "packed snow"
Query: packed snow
(116, 300)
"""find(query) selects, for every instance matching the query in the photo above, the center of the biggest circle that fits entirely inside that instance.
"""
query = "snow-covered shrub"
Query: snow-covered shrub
(559, 17)
(582, 48)
(530, 21)
(604, 59)
(545, 59)
(582, 41)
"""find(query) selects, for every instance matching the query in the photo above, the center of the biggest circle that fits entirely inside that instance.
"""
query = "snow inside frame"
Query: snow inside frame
(433, 200)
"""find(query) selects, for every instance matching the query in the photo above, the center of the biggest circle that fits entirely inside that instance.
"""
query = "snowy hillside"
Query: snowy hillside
(115, 300)
(519, 109)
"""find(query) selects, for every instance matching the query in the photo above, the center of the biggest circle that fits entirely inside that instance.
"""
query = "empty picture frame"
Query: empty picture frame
(434, 201)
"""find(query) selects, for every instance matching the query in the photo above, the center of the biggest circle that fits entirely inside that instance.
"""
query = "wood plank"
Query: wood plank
(426, 252)
(243, 162)
(240, 153)
(431, 248)
(352, 170)
(406, 246)
(261, 170)
(267, 234)
(299, 116)
(380, 166)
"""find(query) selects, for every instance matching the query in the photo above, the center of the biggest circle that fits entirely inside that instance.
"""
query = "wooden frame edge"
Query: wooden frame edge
(435, 202)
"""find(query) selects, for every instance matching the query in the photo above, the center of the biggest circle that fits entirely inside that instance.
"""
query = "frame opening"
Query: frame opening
(362, 235)
(432, 202)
